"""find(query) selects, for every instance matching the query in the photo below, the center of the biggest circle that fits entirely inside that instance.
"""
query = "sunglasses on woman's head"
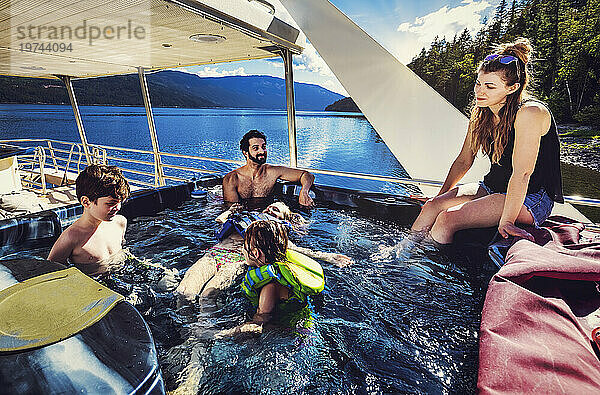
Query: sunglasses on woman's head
(505, 59)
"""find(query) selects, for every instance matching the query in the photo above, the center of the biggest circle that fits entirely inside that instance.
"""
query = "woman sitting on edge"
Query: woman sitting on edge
(519, 136)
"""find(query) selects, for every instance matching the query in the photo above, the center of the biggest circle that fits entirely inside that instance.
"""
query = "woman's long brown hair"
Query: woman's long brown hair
(485, 135)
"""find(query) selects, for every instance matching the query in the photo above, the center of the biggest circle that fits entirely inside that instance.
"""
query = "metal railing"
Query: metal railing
(59, 155)
(68, 157)
(34, 176)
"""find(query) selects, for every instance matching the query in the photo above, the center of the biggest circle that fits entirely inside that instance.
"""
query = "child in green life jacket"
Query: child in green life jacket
(278, 277)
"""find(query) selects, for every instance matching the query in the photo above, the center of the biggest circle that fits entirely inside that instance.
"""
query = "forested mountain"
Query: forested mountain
(565, 35)
(344, 105)
(169, 89)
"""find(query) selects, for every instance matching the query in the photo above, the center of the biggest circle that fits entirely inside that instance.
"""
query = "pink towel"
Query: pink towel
(539, 313)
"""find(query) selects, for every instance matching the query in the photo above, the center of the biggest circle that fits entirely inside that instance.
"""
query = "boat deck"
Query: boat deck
(54, 198)
(58, 197)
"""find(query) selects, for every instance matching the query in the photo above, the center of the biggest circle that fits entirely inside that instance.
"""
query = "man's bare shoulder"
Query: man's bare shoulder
(273, 169)
(284, 173)
(232, 177)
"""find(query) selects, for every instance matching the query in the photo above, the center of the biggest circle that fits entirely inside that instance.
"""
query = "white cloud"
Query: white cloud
(445, 22)
(311, 61)
(404, 27)
(335, 86)
(278, 64)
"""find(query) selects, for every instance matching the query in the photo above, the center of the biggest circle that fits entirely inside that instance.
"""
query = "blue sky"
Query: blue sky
(402, 27)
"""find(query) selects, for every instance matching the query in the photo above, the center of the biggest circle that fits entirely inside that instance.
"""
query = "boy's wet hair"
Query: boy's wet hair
(96, 181)
(251, 134)
(270, 237)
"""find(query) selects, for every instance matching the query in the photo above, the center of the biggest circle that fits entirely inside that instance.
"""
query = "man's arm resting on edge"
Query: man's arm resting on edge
(305, 179)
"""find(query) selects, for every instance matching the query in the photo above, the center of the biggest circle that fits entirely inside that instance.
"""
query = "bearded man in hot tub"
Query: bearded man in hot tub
(256, 178)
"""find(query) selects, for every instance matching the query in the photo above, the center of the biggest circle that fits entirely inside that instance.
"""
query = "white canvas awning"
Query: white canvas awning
(422, 129)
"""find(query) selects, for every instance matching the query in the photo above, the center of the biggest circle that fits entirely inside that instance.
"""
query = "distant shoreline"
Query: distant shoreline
(169, 89)
(339, 113)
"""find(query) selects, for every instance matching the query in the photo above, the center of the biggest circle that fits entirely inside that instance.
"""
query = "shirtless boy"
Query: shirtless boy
(98, 234)
(256, 178)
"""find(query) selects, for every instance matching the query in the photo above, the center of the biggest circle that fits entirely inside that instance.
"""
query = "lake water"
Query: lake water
(327, 141)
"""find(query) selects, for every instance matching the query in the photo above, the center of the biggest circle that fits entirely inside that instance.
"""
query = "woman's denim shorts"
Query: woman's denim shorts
(538, 203)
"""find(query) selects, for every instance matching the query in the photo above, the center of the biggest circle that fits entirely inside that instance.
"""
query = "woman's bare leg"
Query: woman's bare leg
(197, 276)
(482, 212)
(432, 208)
(224, 278)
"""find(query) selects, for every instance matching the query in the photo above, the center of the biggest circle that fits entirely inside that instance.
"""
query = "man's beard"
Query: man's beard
(261, 161)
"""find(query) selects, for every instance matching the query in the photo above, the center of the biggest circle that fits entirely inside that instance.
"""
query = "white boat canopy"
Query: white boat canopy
(422, 129)
(104, 37)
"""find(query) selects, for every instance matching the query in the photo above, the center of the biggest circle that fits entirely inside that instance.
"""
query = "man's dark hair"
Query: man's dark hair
(96, 181)
(251, 134)
(270, 237)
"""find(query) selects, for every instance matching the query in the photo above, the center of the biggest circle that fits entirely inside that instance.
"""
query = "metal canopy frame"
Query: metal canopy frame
(159, 177)
(279, 38)
(290, 105)
(165, 40)
(235, 23)
(69, 84)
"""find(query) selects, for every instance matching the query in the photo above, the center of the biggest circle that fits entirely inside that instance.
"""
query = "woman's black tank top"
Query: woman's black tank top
(547, 167)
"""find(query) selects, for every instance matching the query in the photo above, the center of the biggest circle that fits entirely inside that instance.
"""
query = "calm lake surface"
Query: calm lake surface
(327, 141)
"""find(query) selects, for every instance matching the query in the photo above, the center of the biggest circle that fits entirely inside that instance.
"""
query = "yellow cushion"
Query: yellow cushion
(51, 307)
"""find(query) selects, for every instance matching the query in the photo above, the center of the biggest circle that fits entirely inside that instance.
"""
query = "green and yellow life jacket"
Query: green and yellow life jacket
(301, 274)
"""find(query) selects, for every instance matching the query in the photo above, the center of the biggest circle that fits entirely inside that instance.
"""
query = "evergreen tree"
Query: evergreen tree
(566, 64)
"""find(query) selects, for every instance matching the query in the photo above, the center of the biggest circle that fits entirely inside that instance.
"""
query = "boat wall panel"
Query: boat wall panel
(38, 229)
(10, 180)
